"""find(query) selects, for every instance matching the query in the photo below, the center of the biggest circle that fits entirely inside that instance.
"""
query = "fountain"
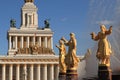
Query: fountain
(88, 69)
(91, 71)
(100, 14)
(100, 11)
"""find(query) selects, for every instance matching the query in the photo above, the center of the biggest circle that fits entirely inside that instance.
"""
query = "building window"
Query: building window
(26, 19)
(30, 19)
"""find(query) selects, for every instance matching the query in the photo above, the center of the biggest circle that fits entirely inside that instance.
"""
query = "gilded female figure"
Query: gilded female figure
(104, 48)
(62, 53)
(71, 59)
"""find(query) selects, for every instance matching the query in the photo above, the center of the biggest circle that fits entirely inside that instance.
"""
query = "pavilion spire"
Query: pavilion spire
(29, 1)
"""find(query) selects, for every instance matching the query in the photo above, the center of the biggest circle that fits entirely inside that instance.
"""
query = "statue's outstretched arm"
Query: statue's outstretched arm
(57, 46)
(94, 36)
(65, 41)
(109, 31)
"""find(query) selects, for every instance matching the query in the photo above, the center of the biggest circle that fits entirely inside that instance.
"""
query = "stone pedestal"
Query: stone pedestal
(71, 75)
(104, 72)
(62, 76)
(116, 77)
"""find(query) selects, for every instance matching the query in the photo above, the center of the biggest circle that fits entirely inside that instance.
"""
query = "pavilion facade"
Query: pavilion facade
(30, 49)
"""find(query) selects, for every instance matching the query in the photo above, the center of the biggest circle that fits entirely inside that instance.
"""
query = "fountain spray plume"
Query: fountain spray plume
(105, 12)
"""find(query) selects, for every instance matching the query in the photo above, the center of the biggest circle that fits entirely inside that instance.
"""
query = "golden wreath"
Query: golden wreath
(34, 48)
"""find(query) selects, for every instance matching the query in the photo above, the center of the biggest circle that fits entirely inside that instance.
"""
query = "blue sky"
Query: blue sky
(79, 16)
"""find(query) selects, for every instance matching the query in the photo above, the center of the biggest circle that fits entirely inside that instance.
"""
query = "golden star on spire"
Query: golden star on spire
(29, 1)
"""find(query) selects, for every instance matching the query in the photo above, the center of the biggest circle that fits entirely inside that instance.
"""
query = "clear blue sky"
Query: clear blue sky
(78, 16)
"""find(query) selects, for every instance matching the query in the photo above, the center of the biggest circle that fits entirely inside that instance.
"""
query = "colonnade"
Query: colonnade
(16, 42)
(29, 71)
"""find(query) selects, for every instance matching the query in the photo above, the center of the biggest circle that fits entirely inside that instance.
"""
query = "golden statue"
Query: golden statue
(71, 59)
(104, 49)
(62, 53)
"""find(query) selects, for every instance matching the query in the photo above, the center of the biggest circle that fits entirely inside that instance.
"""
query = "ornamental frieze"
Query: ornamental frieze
(35, 50)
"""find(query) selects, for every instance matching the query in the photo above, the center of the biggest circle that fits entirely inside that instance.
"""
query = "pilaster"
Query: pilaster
(51, 72)
(46, 42)
(56, 71)
(40, 41)
(45, 72)
(16, 42)
(28, 41)
(17, 72)
(51, 42)
(22, 41)
(3, 72)
(11, 72)
(38, 72)
(31, 71)
(9, 42)
(25, 72)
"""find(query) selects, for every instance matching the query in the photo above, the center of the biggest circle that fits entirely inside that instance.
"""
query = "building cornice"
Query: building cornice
(30, 32)
(41, 59)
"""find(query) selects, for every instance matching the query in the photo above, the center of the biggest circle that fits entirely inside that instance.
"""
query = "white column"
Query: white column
(23, 18)
(13, 41)
(56, 72)
(10, 42)
(45, 72)
(40, 41)
(17, 72)
(11, 72)
(3, 72)
(33, 19)
(51, 72)
(51, 42)
(31, 72)
(16, 42)
(34, 39)
(46, 42)
(25, 72)
(22, 41)
(36, 19)
(28, 41)
(38, 72)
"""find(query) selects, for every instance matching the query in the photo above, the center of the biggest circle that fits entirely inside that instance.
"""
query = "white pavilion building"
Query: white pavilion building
(30, 53)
